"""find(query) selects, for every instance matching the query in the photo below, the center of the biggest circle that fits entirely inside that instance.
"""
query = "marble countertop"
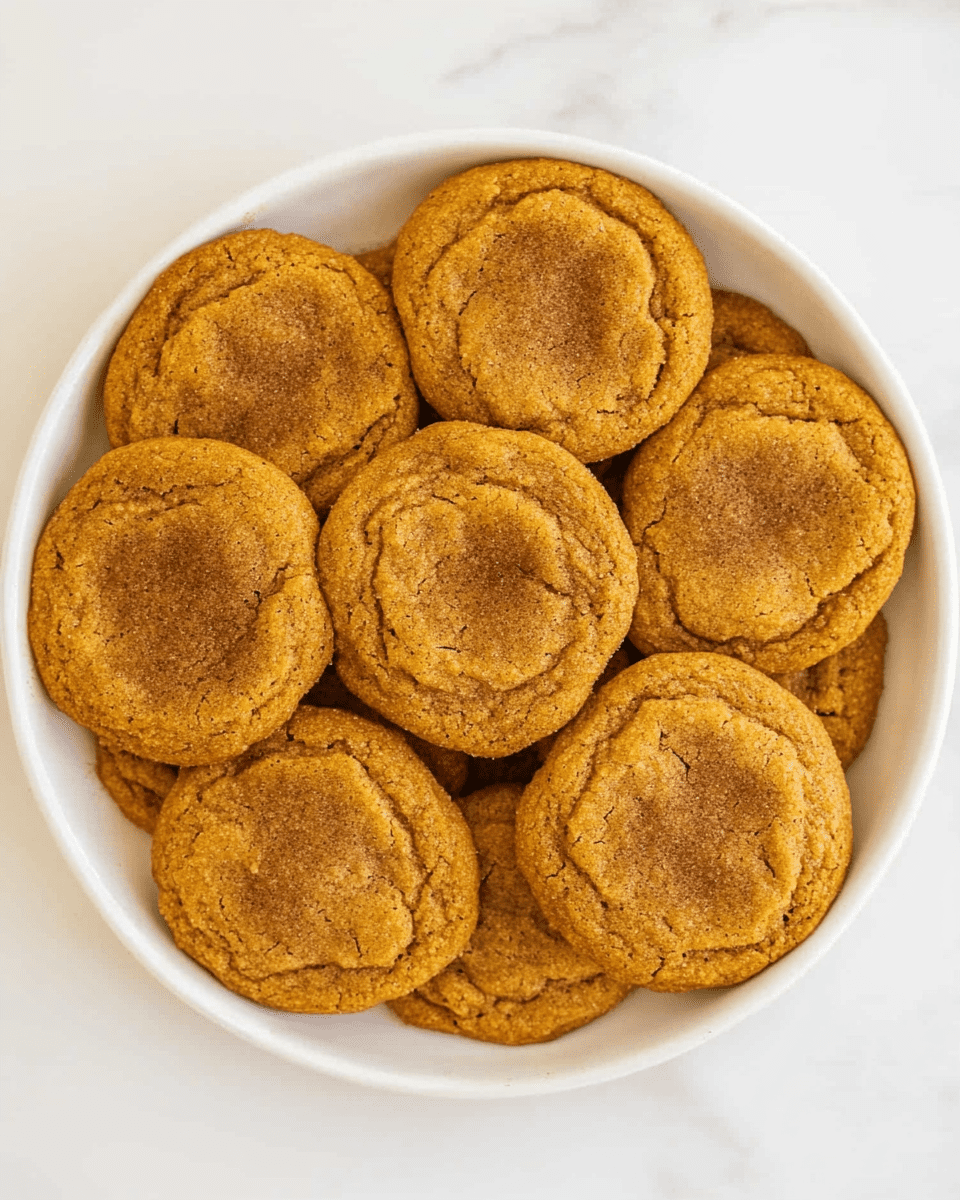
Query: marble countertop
(834, 122)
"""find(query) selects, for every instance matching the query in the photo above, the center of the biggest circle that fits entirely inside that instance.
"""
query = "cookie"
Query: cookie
(273, 342)
(479, 580)
(175, 609)
(690, 827)
(379, 262)
(518, 981)
(448, 767)
(742, 326)
(770, 516)
(556, 298)
(137, 786)
(323, 871)
(844, 689)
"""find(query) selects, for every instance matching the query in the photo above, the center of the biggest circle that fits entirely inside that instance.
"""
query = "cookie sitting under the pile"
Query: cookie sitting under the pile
(136, 785)
(379, 262)
(518, 981)
(844, 689)
(742, 325)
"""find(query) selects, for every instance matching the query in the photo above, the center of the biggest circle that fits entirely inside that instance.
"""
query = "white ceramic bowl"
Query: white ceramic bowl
(354, 201)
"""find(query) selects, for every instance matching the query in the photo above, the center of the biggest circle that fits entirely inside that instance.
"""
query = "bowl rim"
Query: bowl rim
(242, 210)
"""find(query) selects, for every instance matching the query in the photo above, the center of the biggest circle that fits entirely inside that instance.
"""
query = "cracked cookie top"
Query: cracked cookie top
(771, 515)
(479, 580)
(275, 343)
(518, 981)
(175, 608)
(323, 871)
(690, 827)
(552, 297)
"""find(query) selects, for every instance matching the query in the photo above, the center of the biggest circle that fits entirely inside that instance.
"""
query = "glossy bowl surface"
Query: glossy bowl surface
(354, 201)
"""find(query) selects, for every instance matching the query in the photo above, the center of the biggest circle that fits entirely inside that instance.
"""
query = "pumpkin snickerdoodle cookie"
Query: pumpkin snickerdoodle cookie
(552, 297)
(273, 342)
(771, 515)
(175, 609)
(136, 785)
(479, 580)
(742, 325)
(690, 827)
(518, 981)
(844, 689)
(325, 870)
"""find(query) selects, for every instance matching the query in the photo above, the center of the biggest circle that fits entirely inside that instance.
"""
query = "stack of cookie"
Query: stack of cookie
(607, 450)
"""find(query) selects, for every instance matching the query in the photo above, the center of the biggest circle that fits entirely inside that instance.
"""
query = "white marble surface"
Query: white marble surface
(835, 122)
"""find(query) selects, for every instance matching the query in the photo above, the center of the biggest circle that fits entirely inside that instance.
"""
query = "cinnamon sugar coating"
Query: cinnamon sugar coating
(518, 981)
(323, 871)
(275, 343)
(175, 609)
(690, 827)
(771, 516)
(479, 580)
(552, 297)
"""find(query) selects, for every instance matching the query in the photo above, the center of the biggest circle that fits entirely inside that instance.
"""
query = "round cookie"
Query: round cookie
(770, 516)
(448, 767)
(137, 786)
(323, 871)
(273, 342)
(552, 297)
(690, 827)
(742, 325)
(479, 580)
(518, 981)
(175, 609)
(844, 689)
